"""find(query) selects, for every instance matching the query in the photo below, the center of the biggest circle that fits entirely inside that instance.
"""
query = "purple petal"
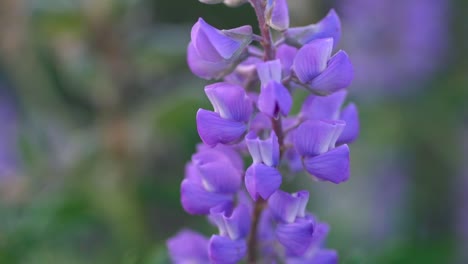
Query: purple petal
(296, 237)
(192, 173)
(219, 176)
(324, 256)
(188, 247)
(351, 131)
(227, 151)
(323, 107)
(285, 206)
(251, 140)
(262, 181)
(230, 101)
(223, 250)
(328, 27)
(214, 129)
(269, 71)
(331, 166)
(196, 200)
(303, 197)
(202, 68)
(277, 14)
(232, 223)
(286, 56)
(266, 151)
(242, 34)
(232, 155)
(211, 43)
(274, 99)
(314, 137)
(312, 59)
(338, 74)
(321, 230)
(238, 224)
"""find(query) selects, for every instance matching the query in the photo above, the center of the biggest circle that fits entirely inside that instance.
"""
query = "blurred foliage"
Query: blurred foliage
(105, 109)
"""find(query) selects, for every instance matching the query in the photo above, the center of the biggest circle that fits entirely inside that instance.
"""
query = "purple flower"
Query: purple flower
(263, 151)
(328, 27)
(315, 254)
(188, 247)
(229, 246)
(213, 53)
(329, 107)
(287, 207)
(251, 117)
(274, 98)
(261, 181)
(223, 250)
(277, 14)
(286, 55)
(232, 110)
(315, 140)
(318, 71)
(211, 179)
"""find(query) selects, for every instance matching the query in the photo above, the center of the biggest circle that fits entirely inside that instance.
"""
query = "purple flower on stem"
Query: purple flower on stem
(213, 53)
(274, 98)
(315, 141)
(318, 71)
(251, 115)
(232, 110)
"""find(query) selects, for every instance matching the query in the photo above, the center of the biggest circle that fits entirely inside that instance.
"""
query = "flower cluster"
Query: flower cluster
(252, 117)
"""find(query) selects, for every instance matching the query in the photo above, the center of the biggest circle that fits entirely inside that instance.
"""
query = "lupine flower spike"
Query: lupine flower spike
(257, 222)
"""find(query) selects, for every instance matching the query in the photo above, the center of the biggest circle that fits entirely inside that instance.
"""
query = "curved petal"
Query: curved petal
(274, 99)
(332, 166)
(212, 44)
(320, 234)
(338, 74)
(328, 27)
(202, 68)
(214, 129)
(262, 181)
(312, 59)
(266, 151)
(286, 56)
(277, 14)
(285, 206)
(196, 200)
(230, 101)
(238, 224)
(269, 71)
(315, 137)
(188, 247)
(223, 250)
(351, 131)
(323, 107)
(296, 237)
(220, 177)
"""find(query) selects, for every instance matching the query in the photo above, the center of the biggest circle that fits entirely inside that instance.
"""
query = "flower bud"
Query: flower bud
(213, 53)
(277, 15)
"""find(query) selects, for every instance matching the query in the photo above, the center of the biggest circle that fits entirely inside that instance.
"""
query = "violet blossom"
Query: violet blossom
(256, 220)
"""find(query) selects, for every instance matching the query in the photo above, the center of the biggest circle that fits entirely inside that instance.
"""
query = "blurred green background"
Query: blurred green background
(97, 112)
